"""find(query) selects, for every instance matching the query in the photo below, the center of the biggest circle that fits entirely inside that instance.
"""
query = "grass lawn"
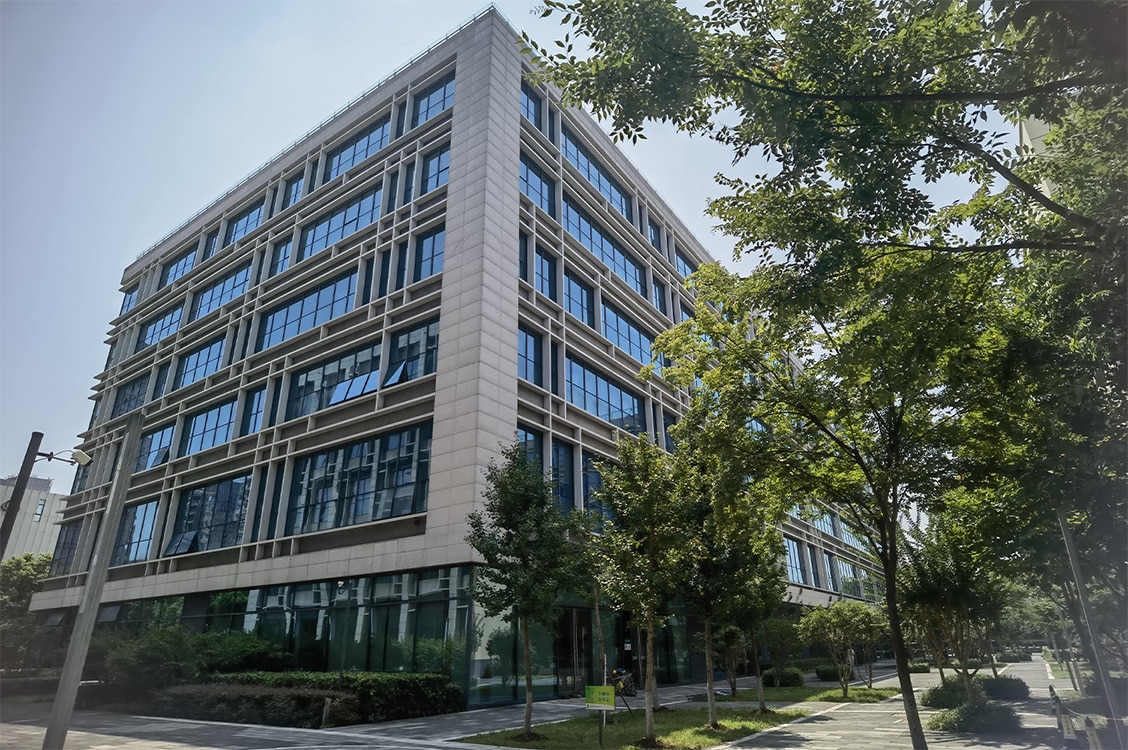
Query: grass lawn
(831, 695)
(1061, 673)
(682, 729)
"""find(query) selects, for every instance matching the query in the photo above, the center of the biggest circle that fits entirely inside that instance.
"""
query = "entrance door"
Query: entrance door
(574, 649)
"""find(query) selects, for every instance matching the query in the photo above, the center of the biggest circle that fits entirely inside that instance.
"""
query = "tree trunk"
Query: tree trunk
(897, 636)
(709, 673)
(651, 684)
(759, 672)
(528, 676)
(990, 650)
(602, 649)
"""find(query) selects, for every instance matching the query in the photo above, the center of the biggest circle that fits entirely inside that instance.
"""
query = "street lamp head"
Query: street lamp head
(78, 456)
(81, 457)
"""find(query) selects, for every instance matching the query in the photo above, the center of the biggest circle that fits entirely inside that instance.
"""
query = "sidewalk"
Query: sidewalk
(830, 726)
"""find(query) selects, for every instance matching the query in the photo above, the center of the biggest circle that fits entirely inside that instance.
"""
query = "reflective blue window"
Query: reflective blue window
(382, 477)
(315, 308)
(433, 100)
(685, 267)
(408, 183)
(211, 516)
(546, 274)
(624, 333)
(531, 105)
(436, 169)
(831, 571)
(564, 475)
(592, 236)
(292, 192)
(207, 429)
(794, 561)
(413, 353)
(592, 482)
(161, 381)
(244, 222)
(686, 314)
(211, 243)
(595, 173)
(221, 292)
(533, 443)
(429, 253)
(254, 408)
(159, 328)
(579, 299)
(659, 296)
(280, 257)
(155, 448)
(358, 149)
(178, 266)
(128, 301)
(199, 363)
(598, 394)
(529, 356)
(130, 395)
(537, 186)
(654, 235)
(853, 539)
(352, 217)
(813, 556)
(334, 381)
(668, 421)
(135, 534)
(66, 548)
(825, 523)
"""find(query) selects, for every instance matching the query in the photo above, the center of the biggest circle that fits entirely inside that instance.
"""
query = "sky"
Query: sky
(121, 120)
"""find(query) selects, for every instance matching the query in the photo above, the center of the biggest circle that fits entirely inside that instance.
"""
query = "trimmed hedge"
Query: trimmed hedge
(919, 667)
(11, 686)
(1005, 687)
(789, 677)
(1010, 657)
(381, 696)
(808, 665)
(979, 716)
(950, 694)
(258, 704)
(827, 673)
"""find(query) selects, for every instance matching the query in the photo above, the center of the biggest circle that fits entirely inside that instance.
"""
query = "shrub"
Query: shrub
(11, 686)
(1010, 657)
(257, 704)
(237, 651)
(156, 657)
(919, 667)
(979, 716)
(382, 696)
(789, 677)
(827, 673)
(1005, 687)
(808, 665)
(947, 695)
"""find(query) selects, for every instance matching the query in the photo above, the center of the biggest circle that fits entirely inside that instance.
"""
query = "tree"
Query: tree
(19, 579)
(874, 630)
(839, 627)
(730, 648)
(644, 542)
(780, 637)
(523, 538)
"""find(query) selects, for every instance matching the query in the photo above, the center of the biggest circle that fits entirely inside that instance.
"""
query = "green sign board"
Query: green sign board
(599, 697)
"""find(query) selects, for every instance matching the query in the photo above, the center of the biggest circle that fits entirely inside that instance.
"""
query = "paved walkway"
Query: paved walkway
(831, 726)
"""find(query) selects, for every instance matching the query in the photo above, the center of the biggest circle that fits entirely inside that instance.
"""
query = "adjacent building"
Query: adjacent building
(328, 355)
(35, 529)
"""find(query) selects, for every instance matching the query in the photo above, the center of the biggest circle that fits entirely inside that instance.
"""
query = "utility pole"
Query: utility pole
(12, 507)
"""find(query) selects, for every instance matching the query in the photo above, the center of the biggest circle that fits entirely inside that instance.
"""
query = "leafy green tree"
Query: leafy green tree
(874, 630)
(644, 544)
(523, 537)
(730, 648)
(780, 637)
(19, 579)
(839, 627)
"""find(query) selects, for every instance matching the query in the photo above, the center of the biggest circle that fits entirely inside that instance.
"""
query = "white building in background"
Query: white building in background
(36, 527)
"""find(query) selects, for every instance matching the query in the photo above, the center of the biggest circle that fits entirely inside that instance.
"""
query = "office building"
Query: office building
(35, 529)
(328, 355)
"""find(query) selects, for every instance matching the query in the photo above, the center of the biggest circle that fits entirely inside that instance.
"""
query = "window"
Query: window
(813, 556)
(199, 363)
(39, 508)
(383, 477)
(280, 257)
(433, 100)
(178, 266)
(207, 429)
(352, 217)
(546, 274)
(592, 481)
(595, 173)
(540, 189)
(244, 222)
(668, 421)
(531, 105)
(591, 236)
(135, 534)
(436, 168)
(334, 381)
(254, 407)
(852, 539)
(850, 578)
(130, 395)
(393, 186)
(794, 561)
(563, 475)
(292, 193)
(128, 300)
(358, 149)
(81, 476)
(831, 571)
(66, 548)
(529, 358)
(408, 183)
(579, 299)
(315, 308)
(533, 443)
(626, 334)
(413, 353)
(825, 523)
(659, 297)
(685, 268)
(161, 381)
(211, 243)
(686, 314)
(221, 292)
(158, 328)
(154, 448)
(598, 394)
(211, 516)
(429, 253)
(654, 235)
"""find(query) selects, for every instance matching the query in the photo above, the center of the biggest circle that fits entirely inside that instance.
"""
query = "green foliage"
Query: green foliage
(382, 696)
(840, 627)
(789, 677)
(730, 650)
(19, 579)
(920, 667)
(949, 694)
(827, 672)
(237, 651)
(155, 657)
(809, 664)
(978, 716)
(781, 638)
(257, 704)
(1005, 688)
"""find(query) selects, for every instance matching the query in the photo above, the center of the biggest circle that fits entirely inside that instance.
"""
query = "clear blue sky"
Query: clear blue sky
(119, 120)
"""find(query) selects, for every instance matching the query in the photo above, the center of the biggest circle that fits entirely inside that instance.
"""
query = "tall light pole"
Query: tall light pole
(12, 507)
(63, 707)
